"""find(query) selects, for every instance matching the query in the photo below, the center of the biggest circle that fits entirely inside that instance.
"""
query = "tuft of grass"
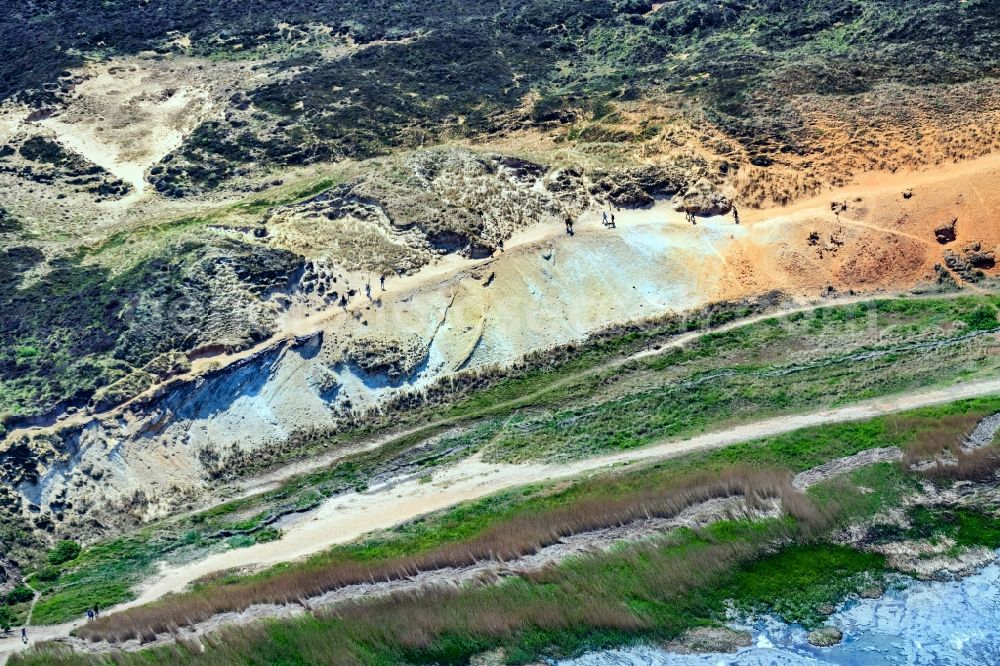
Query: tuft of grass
(798, 581)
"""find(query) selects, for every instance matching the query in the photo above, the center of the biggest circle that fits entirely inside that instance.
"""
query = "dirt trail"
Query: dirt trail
(876, 182)
(347, 517)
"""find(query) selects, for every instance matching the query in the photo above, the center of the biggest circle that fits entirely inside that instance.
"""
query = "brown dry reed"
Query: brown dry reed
(522, 535)
(936, 451)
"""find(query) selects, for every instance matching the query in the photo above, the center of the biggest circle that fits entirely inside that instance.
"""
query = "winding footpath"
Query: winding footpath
(349, 516)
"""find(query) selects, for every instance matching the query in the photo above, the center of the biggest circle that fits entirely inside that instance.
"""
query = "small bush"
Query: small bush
(7, 618)
(240, 541)
(19, 595)
(983, 318)
(48, 573)
(65, 551)
(267, 534)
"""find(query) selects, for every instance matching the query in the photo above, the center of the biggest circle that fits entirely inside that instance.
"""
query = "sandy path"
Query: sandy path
(593, 541)
(869, 184)
(437, 276)
(349, 516)
(275, 478)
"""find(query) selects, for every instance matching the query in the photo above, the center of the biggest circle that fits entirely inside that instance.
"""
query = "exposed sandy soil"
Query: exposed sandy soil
(141, 115)
(472, 313)
(122, 114)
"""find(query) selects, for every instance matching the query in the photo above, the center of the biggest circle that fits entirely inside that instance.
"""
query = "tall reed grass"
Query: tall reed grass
(936, 452)
(521, 535)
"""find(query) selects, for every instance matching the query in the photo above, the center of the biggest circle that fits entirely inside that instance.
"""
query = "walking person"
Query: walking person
(569, 225)
(97, 611)
(381, 280)
(613, 225)
(368, 290)
(736, 215)
(604, 221)
(90, 615)
(24, 635)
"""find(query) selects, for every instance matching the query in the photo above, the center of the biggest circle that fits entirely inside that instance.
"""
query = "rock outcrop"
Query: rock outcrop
(704, 199)
(971, 263)
(395, 358)
(638, 186)
(825, 637)
(946, 233)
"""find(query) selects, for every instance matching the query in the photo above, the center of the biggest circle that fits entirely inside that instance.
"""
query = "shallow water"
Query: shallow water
(954, 623)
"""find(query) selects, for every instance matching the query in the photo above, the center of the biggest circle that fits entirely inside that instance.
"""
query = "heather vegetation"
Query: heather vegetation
(458, 68)
(79, 327)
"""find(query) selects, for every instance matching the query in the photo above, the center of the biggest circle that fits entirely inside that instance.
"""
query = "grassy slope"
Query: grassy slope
(106, 572)
(649, 591)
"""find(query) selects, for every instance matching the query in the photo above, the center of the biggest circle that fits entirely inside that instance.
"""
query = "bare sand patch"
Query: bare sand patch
(126, 114)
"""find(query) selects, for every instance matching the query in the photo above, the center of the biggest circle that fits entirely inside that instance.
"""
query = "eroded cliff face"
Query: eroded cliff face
(331, 344)
(260, 333)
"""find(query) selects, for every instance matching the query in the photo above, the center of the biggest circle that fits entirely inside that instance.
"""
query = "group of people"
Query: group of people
(689, 216)
(608, 220)
(346, 295)
(92, 614)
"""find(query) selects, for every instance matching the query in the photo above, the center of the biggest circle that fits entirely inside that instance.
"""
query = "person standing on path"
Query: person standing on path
(381, 280)
(24, 635)
(569, 225)
(736, 215)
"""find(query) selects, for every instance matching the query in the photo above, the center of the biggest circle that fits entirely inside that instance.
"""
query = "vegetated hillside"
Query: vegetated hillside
(109, 280)
(457, 67)
(356, 80)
